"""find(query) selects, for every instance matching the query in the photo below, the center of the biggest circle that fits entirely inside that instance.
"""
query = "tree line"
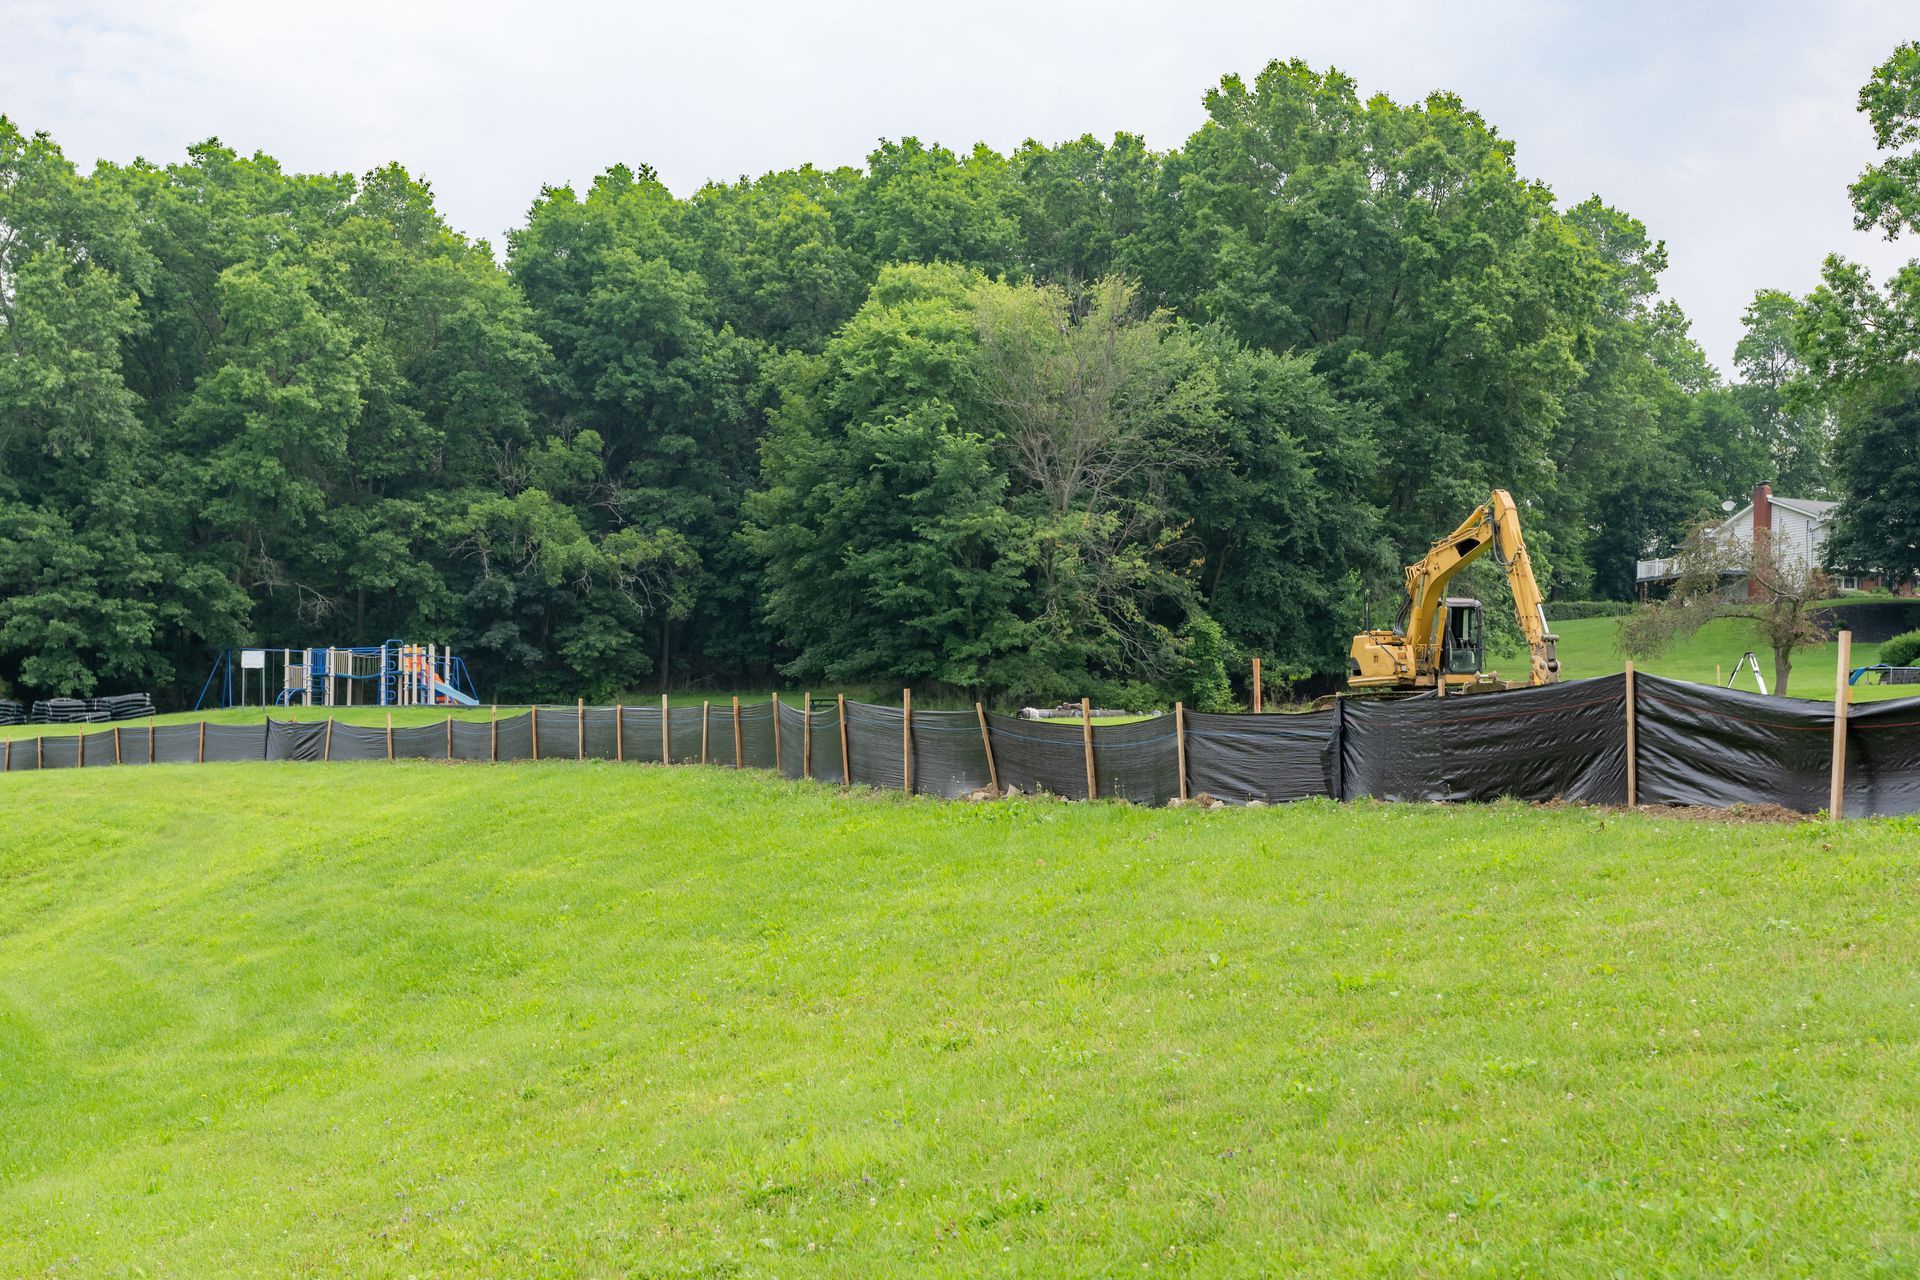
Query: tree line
(1085, 417)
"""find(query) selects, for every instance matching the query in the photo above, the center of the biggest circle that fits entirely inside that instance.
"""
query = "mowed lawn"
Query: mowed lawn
(566, 1019)
(1587, 648)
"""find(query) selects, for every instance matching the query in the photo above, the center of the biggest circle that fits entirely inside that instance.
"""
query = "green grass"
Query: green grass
(592, 1020)
(1587, 649)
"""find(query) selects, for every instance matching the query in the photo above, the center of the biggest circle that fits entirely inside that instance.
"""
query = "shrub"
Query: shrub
(1901, 651)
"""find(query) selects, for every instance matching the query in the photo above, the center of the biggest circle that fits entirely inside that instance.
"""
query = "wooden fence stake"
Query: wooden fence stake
(580, 729)
(1633, 743)
(389, 735)
(116, 744)
(1716, 674)
(449, 735)
(533, 711)
(1180, 744)
(906, 741)
(1256, 686)
(738, 761)
(1086, 737)
(619, 733)
(80, 748)
(202, 757)
(806, 735)
(40, 751)
(493, 735)
(777, 768)
(706, 714)
(6, 756)
(326, 744)
(149, 739)
(666, 733)
(846, 757)
(1837, 786)
(986, 740)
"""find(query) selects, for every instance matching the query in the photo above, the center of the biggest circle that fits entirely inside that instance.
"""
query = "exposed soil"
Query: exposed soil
(1695, 812)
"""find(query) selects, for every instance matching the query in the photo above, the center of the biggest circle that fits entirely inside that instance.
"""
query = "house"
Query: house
(1797, 525)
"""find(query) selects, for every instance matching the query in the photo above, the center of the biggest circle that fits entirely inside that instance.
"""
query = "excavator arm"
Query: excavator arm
(1411, 655)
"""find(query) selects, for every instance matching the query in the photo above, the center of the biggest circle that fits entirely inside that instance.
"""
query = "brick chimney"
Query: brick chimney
(1762, 527)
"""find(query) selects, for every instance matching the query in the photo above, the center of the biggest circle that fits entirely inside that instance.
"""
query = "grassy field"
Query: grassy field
(1587, 649)
(560, 1020)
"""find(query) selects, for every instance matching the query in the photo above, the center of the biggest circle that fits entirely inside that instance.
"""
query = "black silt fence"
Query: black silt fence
(1696, 745)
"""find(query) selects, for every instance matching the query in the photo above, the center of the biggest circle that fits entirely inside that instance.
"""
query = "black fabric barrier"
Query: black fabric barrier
(559, 730)
(513, 737)
(1567, 741)
(756, 734)
(827, 765)
(1708, 746)
(949, 757)
(640, 734)
(472, 741)
(1883, 757)
(1697, 745)
(1273, 759)
(289, 741)
(1139, 761)
(873, 739)
(1037, 755)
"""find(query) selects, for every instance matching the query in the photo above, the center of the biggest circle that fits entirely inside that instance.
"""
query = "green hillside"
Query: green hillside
(1587, 649)
(587, 1020)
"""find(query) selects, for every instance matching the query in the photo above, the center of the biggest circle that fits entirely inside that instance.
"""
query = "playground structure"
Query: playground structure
(394, 673)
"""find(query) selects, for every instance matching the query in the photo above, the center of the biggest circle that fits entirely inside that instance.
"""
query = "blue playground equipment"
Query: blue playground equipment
(395, 673)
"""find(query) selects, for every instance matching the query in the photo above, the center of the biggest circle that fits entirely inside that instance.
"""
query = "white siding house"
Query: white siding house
(1799, 526)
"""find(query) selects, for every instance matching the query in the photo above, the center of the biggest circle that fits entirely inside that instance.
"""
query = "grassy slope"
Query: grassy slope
(592, 1020)
(1586, 649)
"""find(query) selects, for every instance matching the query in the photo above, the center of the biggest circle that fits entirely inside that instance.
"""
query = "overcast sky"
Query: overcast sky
(1730, 129)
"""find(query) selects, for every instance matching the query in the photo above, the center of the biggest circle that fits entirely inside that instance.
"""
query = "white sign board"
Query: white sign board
(253, 659)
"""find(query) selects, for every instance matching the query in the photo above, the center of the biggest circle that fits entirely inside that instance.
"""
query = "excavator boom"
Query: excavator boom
(1438, 644)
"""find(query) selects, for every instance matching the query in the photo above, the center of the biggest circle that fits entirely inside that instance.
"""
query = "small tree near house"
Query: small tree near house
(1719, 577)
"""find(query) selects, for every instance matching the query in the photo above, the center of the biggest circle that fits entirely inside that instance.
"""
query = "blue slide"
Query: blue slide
(446, 690)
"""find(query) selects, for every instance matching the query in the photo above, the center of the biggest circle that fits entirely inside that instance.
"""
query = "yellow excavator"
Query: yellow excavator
(1439, 643)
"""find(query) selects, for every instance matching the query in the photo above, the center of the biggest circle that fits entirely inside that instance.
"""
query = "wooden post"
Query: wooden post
(202, 757)
(906, 741)
(986, 740)
(619, 734)
(1180, 744)
(6, 756)
(80, 748)
(706, 713)
(1716, 675)
(846, 757)
(493, 734)
(580, 729)
(40, 751)
(533, 711)
(666, 736)
(449, 735)
(389, 735)
(1256, 686)
(1837, 786)
(326, 745)
(776, 733)
(1086, 738)
(149, 739)
(806, 735)
(1633, 743)
(116, 744)
(738, 755)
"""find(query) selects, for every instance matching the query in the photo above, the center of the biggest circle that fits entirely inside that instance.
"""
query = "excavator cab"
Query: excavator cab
(1462, 641)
